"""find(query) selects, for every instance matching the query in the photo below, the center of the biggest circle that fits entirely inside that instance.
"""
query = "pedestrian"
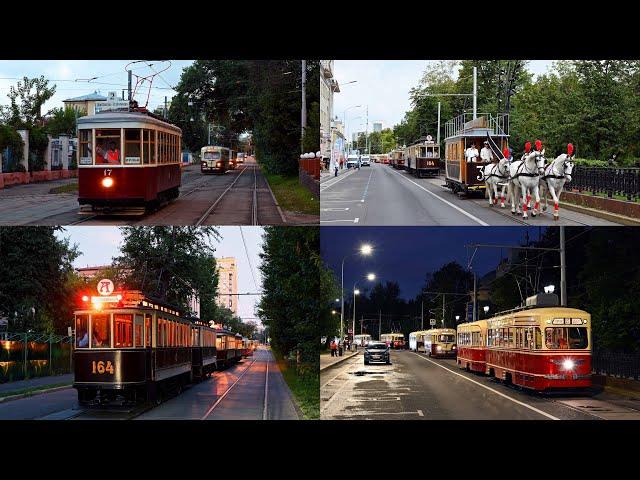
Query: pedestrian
(335, 170)
(332, 346)
(341, 163)
(340, 349)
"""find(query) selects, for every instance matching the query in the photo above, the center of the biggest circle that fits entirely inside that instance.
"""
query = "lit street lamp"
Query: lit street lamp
(549, 289)
(486, 309)
(364, 250)
(370, 277)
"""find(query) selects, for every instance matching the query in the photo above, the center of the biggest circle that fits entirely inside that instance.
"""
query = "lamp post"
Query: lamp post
(486, 310)
(371, 277)
(364, 250)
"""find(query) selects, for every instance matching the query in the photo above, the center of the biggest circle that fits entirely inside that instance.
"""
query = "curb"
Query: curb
(33, 393)
(284, 219)
(612, 217)
(327, 367)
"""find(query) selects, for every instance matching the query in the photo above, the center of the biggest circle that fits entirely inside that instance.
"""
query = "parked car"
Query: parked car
(365, 161)
(377, 352)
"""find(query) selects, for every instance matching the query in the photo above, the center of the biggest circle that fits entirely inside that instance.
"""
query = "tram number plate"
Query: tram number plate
(101, 367)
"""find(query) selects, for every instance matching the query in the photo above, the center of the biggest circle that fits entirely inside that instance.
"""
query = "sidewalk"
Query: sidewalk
(326, 174)
(8, 387)
(326, 360)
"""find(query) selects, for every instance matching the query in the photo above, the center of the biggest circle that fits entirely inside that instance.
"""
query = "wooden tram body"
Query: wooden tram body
(130, 348)
(215, 159)
(127, 159)
(462, 176)
(423, 158)
(539, 348)
(228, 348)
(439, 342)
(396, 159)
(394, 340)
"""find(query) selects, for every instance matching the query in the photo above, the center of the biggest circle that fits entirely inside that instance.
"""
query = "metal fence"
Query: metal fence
(616, 364)
(608, 181)
(29, 355)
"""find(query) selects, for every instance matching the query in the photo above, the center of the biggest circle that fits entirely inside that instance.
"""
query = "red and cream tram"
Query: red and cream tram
(394, 340)
(539, 348)
(127, 159)
(130, 348)
(215, 159)
(423, 157)
(461, 169)
(228, 347)
(396, 158)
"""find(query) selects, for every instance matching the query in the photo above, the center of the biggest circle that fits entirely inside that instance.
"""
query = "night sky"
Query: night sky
(407, 254)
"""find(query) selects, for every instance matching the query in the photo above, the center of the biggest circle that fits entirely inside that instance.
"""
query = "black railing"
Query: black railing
(616, 364)
(608, 181)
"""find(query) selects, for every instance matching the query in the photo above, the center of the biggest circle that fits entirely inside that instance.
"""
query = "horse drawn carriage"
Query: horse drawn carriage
(463, 171)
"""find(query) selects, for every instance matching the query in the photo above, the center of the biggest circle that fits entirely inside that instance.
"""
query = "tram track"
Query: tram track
(213, 206)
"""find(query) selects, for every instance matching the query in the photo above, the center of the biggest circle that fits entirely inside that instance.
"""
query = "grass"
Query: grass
(305, 387)
(32, 390)
(70, 187)
(292, 196)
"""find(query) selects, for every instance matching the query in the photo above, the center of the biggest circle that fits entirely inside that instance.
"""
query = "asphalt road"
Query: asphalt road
(254, 389)
(204, 199)
(416, 387)
(381, 195)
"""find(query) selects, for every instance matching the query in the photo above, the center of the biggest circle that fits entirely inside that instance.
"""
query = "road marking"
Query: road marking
(387, 399)
(420, 414)
(366, 189)
(526, 405)
(335, 209)
(357, 219)
(266, 393)
(329, 184)
(366, 414)
(347, 220)
(472, 217)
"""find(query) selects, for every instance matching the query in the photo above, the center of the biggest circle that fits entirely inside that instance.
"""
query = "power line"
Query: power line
(246, 251)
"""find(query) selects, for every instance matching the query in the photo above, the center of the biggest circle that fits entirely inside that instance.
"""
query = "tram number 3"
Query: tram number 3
(102, 367)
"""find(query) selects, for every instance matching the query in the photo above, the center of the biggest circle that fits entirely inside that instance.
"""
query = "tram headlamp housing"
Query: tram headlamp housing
(568, 364)
(107, 182)
(439, 348)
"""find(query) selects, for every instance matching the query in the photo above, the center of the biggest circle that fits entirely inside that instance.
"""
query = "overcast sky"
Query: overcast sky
(70, 78)
(100, 244)
(384, 86)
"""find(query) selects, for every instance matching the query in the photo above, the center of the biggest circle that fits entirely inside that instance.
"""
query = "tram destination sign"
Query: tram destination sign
(112, 105)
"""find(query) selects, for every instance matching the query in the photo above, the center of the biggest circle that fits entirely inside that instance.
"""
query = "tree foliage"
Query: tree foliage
(292, 304)
(62, 121)
(37, 280)
(26, 100)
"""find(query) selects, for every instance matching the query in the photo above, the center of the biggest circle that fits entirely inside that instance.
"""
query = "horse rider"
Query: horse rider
(471, 153)
(486, 155)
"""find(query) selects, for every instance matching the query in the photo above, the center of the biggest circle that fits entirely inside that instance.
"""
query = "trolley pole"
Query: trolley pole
(475, 92)
(303, 111)
(563, 270)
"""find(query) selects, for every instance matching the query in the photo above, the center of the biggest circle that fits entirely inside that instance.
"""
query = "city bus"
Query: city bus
(362, 340)
(440, 342)
(538, 348)
(394, 340)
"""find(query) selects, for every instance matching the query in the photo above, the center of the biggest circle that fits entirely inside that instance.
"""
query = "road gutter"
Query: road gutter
(32, 393)
(344, 357)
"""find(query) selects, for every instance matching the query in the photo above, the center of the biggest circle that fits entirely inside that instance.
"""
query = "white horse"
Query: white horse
(492, 174)
(556, 174)
(525, 180)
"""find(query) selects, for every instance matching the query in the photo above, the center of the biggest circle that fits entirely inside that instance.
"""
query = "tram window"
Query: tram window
(147, 330)
(132, 150)
(82, 331)
(107, 147)
(84, 141)
(138, 331)
(100, 331)
(123, 330)
(565, 338)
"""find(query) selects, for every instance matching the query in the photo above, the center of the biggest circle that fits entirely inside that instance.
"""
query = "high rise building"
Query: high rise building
(227, 283)
(377, 126)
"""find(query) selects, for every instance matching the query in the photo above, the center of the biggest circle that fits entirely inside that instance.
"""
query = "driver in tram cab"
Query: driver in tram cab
(486, 155)
(113, 154)
(83, 339)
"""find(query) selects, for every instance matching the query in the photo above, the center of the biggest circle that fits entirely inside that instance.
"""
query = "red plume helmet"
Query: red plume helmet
(570, 149)
(527, 147)
(538, 145)
(505, 152)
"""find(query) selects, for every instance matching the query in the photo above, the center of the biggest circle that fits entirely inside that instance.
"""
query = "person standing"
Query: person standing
(472, 153)
(486, 155)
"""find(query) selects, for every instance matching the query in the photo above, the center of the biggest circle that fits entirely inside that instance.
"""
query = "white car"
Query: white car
(365, 161)
(352, 161)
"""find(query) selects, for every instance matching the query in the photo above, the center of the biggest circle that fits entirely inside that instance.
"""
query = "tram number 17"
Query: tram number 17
(102, 367)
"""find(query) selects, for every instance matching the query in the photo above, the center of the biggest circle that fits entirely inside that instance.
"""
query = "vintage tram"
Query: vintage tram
(423, 157)
(214, 159)
(127, 159)
(535, 347)
(396, 158)
(228, 348)
(130, 348)
(463, 176)
(439, 342)
(394, 340)
(416, 340)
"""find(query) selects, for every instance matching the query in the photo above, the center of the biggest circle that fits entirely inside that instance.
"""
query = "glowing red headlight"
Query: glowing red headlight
(107, 182)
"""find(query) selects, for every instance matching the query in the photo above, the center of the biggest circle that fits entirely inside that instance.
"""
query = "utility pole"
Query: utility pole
(475, 92)
(563, 270)
(438, 135)
(303, 111)
(443, 295)
(366, 130)
(129, 73)
(379, 324)
(475, 297)
(165, 106)
(422, 316)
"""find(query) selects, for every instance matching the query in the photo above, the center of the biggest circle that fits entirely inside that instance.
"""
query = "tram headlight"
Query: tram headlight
(107, 182)
(568, 364)
(219, 164)
(439, 348)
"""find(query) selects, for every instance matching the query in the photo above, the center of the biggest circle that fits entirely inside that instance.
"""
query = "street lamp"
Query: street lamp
(457, 318)
(365, 250)
(371, 277)
(486, 309)
(549, 289)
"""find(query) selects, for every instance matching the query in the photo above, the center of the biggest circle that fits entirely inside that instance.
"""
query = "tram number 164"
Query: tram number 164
(101, 367)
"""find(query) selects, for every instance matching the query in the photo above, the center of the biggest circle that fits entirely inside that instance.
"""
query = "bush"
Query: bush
(10, 139)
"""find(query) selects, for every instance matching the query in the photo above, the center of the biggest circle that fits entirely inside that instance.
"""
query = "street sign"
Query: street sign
(105, 287)
(433, 322)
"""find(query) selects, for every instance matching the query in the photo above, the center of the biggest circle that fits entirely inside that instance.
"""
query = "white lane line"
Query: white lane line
(366, 189)
(335, 209)
(366, 414)
(266, 393)
(357, 219)
(526, 405)
(472, 217)
(420, 414)
(329, 183)
(348, 220)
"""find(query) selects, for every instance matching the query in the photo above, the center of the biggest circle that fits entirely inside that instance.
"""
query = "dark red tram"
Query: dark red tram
(130, 348)
(127, 159)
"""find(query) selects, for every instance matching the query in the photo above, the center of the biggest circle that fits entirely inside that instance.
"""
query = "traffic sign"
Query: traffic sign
(433, 322)
(105, 287)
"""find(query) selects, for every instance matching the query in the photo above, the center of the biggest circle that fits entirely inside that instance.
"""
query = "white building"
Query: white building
(377, 127)
(328, 86)
(227, 283)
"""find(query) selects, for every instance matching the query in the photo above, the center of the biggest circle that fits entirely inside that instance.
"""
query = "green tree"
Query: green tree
(26, 100)
(10, 139)
(62, 121)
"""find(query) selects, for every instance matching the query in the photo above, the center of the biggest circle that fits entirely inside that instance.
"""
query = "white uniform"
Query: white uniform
(486, 154)
(471, 154)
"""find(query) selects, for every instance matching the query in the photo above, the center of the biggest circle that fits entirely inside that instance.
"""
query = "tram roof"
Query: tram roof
(125, 117)
(477, 132)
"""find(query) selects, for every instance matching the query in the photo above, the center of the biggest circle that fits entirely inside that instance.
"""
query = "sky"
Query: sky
(70, 77)
(100, 244)
(384, 86)
(407, 254)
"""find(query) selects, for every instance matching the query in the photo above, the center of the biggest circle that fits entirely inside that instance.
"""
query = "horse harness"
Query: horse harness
(553, 174)
(526, 173)
(493, 174)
